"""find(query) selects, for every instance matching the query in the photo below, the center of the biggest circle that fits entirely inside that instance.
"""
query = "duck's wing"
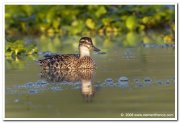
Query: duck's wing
(63, 60)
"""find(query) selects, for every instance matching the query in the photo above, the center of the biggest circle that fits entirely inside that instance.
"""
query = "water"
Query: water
(128, 81)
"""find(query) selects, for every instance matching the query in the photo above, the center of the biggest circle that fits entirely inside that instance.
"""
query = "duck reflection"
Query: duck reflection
(85, 76)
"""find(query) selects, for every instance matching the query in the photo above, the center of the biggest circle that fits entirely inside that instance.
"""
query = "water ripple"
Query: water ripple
(42, 86)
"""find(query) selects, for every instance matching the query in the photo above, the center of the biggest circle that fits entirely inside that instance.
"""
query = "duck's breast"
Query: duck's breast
(86, 62)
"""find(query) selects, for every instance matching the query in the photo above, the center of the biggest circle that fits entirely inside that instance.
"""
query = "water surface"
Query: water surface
(126, 81)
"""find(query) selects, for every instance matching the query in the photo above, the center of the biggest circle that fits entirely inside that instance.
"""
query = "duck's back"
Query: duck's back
(65, 61)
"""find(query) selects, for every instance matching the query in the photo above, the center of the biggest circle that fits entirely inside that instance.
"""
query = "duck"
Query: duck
(82, 60)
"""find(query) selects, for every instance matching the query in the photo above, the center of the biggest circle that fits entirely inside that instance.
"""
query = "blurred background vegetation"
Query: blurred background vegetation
(31, 29)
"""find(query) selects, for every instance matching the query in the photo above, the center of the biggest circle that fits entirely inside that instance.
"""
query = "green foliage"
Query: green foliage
(90, 23)
(133, 24)
(17, 48)
(101, 11)
(68, 19)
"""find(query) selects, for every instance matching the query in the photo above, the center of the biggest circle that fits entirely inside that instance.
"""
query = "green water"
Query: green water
(110, 99)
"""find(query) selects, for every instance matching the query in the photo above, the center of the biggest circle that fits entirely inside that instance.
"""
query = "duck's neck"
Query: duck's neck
(84, 51)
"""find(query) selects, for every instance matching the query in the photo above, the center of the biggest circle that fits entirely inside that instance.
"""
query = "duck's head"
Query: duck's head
(86, 46)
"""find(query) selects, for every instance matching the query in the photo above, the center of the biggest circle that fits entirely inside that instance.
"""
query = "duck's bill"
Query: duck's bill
(96, 49)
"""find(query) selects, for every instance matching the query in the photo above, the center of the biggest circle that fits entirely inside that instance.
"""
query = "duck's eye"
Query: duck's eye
(88, 42)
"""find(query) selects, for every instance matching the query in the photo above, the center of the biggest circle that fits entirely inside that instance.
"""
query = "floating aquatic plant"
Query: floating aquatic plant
(17, 48)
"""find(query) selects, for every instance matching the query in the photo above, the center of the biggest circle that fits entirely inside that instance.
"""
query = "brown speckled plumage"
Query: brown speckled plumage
(68, 61)
(85, 62)
(72, 61)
